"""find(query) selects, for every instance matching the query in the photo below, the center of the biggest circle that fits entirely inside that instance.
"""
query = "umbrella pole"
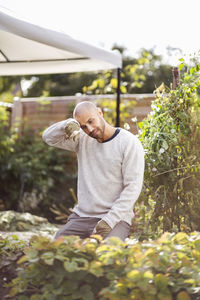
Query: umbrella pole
(118, 98)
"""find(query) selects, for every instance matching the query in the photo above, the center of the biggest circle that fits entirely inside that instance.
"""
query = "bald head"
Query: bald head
(90, 119)
(83, 107)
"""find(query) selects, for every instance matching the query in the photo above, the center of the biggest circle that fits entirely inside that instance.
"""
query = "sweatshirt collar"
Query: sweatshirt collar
(113, 136)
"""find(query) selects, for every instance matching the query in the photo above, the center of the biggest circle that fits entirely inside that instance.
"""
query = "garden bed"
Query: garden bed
(167, 268)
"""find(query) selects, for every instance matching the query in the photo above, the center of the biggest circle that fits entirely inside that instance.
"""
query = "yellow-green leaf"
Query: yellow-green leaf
(22, 259)
(163, 296)
(113, 83)
(96, 268)
(148, 275)
(35, 297)
(134, 275)
(101, 83)
(183, 296)
(123, 89)
(161, 281)
(13, 291)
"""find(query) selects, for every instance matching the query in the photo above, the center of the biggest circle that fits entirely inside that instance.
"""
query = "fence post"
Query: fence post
(17, 113)
(175, 73)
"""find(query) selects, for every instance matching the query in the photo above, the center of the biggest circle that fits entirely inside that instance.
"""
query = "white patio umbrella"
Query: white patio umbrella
(28, 49)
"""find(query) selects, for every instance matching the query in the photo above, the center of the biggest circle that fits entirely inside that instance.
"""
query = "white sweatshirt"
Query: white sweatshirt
(110, 174)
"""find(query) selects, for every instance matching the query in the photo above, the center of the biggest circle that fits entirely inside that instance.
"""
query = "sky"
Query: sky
(134, 24)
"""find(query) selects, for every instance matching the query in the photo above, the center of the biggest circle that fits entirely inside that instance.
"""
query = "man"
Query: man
(110, 172)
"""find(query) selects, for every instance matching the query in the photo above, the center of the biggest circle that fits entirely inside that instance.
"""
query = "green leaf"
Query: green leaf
(48, 258)
(101, 83)
(181, 66)
(163, 296)
(50, 297)
(183, 295)
(32, 254)
(197, 68)
(15, 237)
(192, 71)
(134, 275)
(148, 275)
(113, 83)
(96, 268)
(22, 259)
(13, 291)
(70, 266)
(180, 238)
(197, 245)
(22, 297)
(123, 89)
(165, 145)
(84, 89)
(35, 297)
(161, 281)
(86, 292)
(88, 295)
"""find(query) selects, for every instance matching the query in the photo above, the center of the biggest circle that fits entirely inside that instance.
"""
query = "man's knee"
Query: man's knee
(77, 225)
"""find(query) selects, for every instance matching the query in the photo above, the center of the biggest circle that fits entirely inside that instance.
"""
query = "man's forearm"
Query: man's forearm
(61, 135)
(122, 206)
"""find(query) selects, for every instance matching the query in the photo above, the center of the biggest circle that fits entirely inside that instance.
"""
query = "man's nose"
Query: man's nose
(89, 128)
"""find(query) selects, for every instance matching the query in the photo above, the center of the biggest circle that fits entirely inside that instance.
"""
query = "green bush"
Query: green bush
(7, 138)
(70, 268)
(11, 249)
(108, 107)
(33, 176)
(171, 138)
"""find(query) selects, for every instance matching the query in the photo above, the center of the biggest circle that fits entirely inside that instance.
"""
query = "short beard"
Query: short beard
(101, 130)
(101, 139)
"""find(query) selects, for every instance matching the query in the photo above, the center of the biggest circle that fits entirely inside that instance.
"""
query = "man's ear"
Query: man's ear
(100, 111)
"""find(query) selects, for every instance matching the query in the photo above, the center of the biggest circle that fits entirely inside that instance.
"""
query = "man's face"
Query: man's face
(92, 123)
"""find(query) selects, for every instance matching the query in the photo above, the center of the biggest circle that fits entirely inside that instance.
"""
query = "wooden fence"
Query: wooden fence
(38, 113)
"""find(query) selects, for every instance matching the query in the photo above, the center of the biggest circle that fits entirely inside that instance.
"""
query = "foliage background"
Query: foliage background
(139, 75)
(33, 176)
(171, 138)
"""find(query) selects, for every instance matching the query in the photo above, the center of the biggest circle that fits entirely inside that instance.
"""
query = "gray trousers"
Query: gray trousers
(84, 226)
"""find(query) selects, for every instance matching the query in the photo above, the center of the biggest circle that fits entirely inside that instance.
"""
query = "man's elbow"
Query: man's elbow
(45, 137)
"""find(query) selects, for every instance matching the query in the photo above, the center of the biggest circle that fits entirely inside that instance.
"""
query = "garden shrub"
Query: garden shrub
(11, 249)
(33, 176)
(108, 107)
(70, 268)
(171, 138)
